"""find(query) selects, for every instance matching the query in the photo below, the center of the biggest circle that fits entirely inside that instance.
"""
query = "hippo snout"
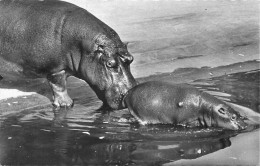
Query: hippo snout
(115, 96)
(237, 124)
(241, 125)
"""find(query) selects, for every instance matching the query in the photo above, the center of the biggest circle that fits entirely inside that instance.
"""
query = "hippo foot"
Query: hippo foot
(125, 118)
(58, 83)
(62, 102)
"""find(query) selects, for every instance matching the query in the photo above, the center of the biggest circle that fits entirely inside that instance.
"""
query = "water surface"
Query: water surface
(90, 135)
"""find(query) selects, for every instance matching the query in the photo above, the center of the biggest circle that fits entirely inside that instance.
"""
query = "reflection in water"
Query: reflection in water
(31, 143)
(154, 152)
(85, 135)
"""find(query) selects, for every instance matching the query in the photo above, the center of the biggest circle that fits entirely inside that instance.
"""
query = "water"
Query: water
(89, 135)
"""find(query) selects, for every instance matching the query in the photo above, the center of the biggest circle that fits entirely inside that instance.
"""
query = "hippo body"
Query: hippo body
(180, 104)
(54, 40)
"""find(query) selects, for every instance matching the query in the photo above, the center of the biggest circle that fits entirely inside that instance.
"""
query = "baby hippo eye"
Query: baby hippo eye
(222, 111)
(111, 63)
(233, 117)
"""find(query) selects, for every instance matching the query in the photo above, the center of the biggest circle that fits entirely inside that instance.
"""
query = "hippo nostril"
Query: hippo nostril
(244, 118)
(130, 59)
(126, 58)
(242, 125)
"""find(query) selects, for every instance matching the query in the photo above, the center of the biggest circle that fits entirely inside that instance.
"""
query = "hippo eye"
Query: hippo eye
(233, 117)
(222, 111)
(111, 63)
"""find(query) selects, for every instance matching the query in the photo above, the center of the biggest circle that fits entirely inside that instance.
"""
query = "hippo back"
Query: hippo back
(157, 102)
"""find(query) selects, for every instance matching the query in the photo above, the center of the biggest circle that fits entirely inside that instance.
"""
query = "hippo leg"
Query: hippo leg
(58, 84)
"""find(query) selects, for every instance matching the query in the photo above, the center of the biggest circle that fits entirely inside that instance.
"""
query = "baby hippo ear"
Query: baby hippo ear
(126, 43)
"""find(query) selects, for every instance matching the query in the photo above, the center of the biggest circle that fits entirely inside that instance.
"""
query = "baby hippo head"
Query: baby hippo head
(227, 117)
(219, 114)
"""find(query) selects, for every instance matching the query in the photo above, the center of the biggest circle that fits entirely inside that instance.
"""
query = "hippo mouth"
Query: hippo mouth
(114, 98)
(119, 101)
(116, 101)
(240, 125)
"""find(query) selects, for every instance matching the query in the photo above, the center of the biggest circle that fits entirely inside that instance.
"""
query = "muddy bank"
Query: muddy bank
(182, 75)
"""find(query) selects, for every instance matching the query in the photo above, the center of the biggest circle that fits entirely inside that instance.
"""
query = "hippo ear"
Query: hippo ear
(126, 58)
(126, 43)
(222, 111)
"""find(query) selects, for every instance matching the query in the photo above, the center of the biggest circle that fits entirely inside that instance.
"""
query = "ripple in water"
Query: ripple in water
(87, 135)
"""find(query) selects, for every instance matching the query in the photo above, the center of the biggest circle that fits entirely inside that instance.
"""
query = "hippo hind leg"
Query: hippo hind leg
(58, 82)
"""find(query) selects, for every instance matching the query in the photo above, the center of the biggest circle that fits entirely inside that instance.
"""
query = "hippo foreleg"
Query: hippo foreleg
(58, 83)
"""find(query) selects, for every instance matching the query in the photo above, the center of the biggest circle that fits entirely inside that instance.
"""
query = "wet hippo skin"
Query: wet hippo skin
(180, 104)
(54, 40)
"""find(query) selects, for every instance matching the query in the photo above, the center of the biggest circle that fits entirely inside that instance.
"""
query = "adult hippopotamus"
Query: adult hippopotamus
(180, 104)
(54, 40)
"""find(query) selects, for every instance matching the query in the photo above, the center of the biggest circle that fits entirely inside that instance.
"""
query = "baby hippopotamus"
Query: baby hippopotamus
(180, 104)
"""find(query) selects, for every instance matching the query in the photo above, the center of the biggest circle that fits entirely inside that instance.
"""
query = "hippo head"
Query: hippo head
(106, 68)
(219, 114)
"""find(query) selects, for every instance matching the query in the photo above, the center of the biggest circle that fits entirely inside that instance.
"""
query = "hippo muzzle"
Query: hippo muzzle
(224, 116)
(114, 97)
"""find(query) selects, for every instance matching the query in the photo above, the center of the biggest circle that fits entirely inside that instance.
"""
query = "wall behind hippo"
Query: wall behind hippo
(169, 34)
